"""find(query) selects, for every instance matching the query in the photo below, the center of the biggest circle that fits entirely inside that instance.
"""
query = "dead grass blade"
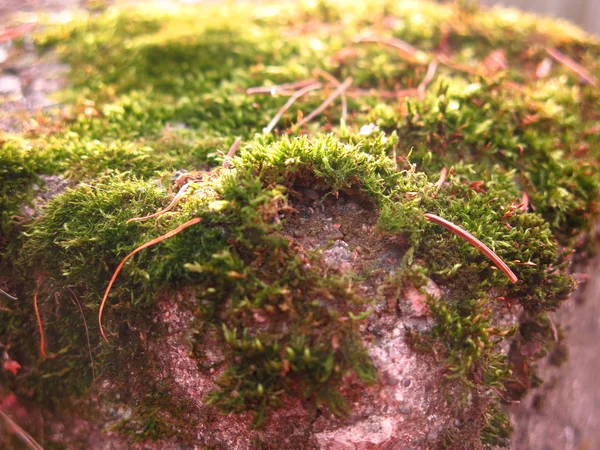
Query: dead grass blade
(169, 207)
(335, 94)
(476, 243)
(572, 66)
(25, 437)
(150, 243)
(289, 103)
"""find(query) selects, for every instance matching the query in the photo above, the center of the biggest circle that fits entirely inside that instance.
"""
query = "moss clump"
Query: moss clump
(513, 147)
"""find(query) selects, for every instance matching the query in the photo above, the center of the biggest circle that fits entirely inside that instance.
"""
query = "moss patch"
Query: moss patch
(154, 92)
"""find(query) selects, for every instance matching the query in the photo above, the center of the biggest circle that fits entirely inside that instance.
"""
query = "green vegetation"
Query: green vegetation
(156, 91)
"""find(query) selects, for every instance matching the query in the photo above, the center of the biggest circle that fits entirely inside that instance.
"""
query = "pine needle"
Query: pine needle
(40, 326)
(231, 152)
(281, 87)
(476, 243)
(403, 48)
(335, 94)
(87, 333)
(169, 207)
(572, 66)
(7, 295)
(20, 432)
(333, 80)
(150, 243)
(289, 103)
(431, 69)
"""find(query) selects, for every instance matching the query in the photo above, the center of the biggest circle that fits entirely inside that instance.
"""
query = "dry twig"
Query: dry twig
(475, 242)
(340, 89)
(150, 243)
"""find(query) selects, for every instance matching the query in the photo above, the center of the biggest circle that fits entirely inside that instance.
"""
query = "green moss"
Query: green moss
(155, 91)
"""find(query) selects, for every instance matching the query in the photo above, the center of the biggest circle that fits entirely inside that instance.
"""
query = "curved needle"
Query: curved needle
(476, 242)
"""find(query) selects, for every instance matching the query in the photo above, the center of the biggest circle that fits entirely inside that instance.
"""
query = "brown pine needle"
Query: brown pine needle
(7, 295)
(405, 50)
(431, 69)
(391, 95)
(169, 207)
(150, 243)
(281, 87)
(289, 103)
(40, 326)
(20, 432)
(335, 94)
(572, 66)
(87, 333)
(333, 80)
(442, 179)
(231, 152)
(445, 60)
(475, 242)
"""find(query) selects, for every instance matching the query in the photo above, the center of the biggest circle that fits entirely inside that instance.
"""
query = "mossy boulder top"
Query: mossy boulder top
(228, 235)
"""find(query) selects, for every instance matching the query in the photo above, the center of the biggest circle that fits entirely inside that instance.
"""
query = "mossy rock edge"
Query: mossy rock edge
(314, 305)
